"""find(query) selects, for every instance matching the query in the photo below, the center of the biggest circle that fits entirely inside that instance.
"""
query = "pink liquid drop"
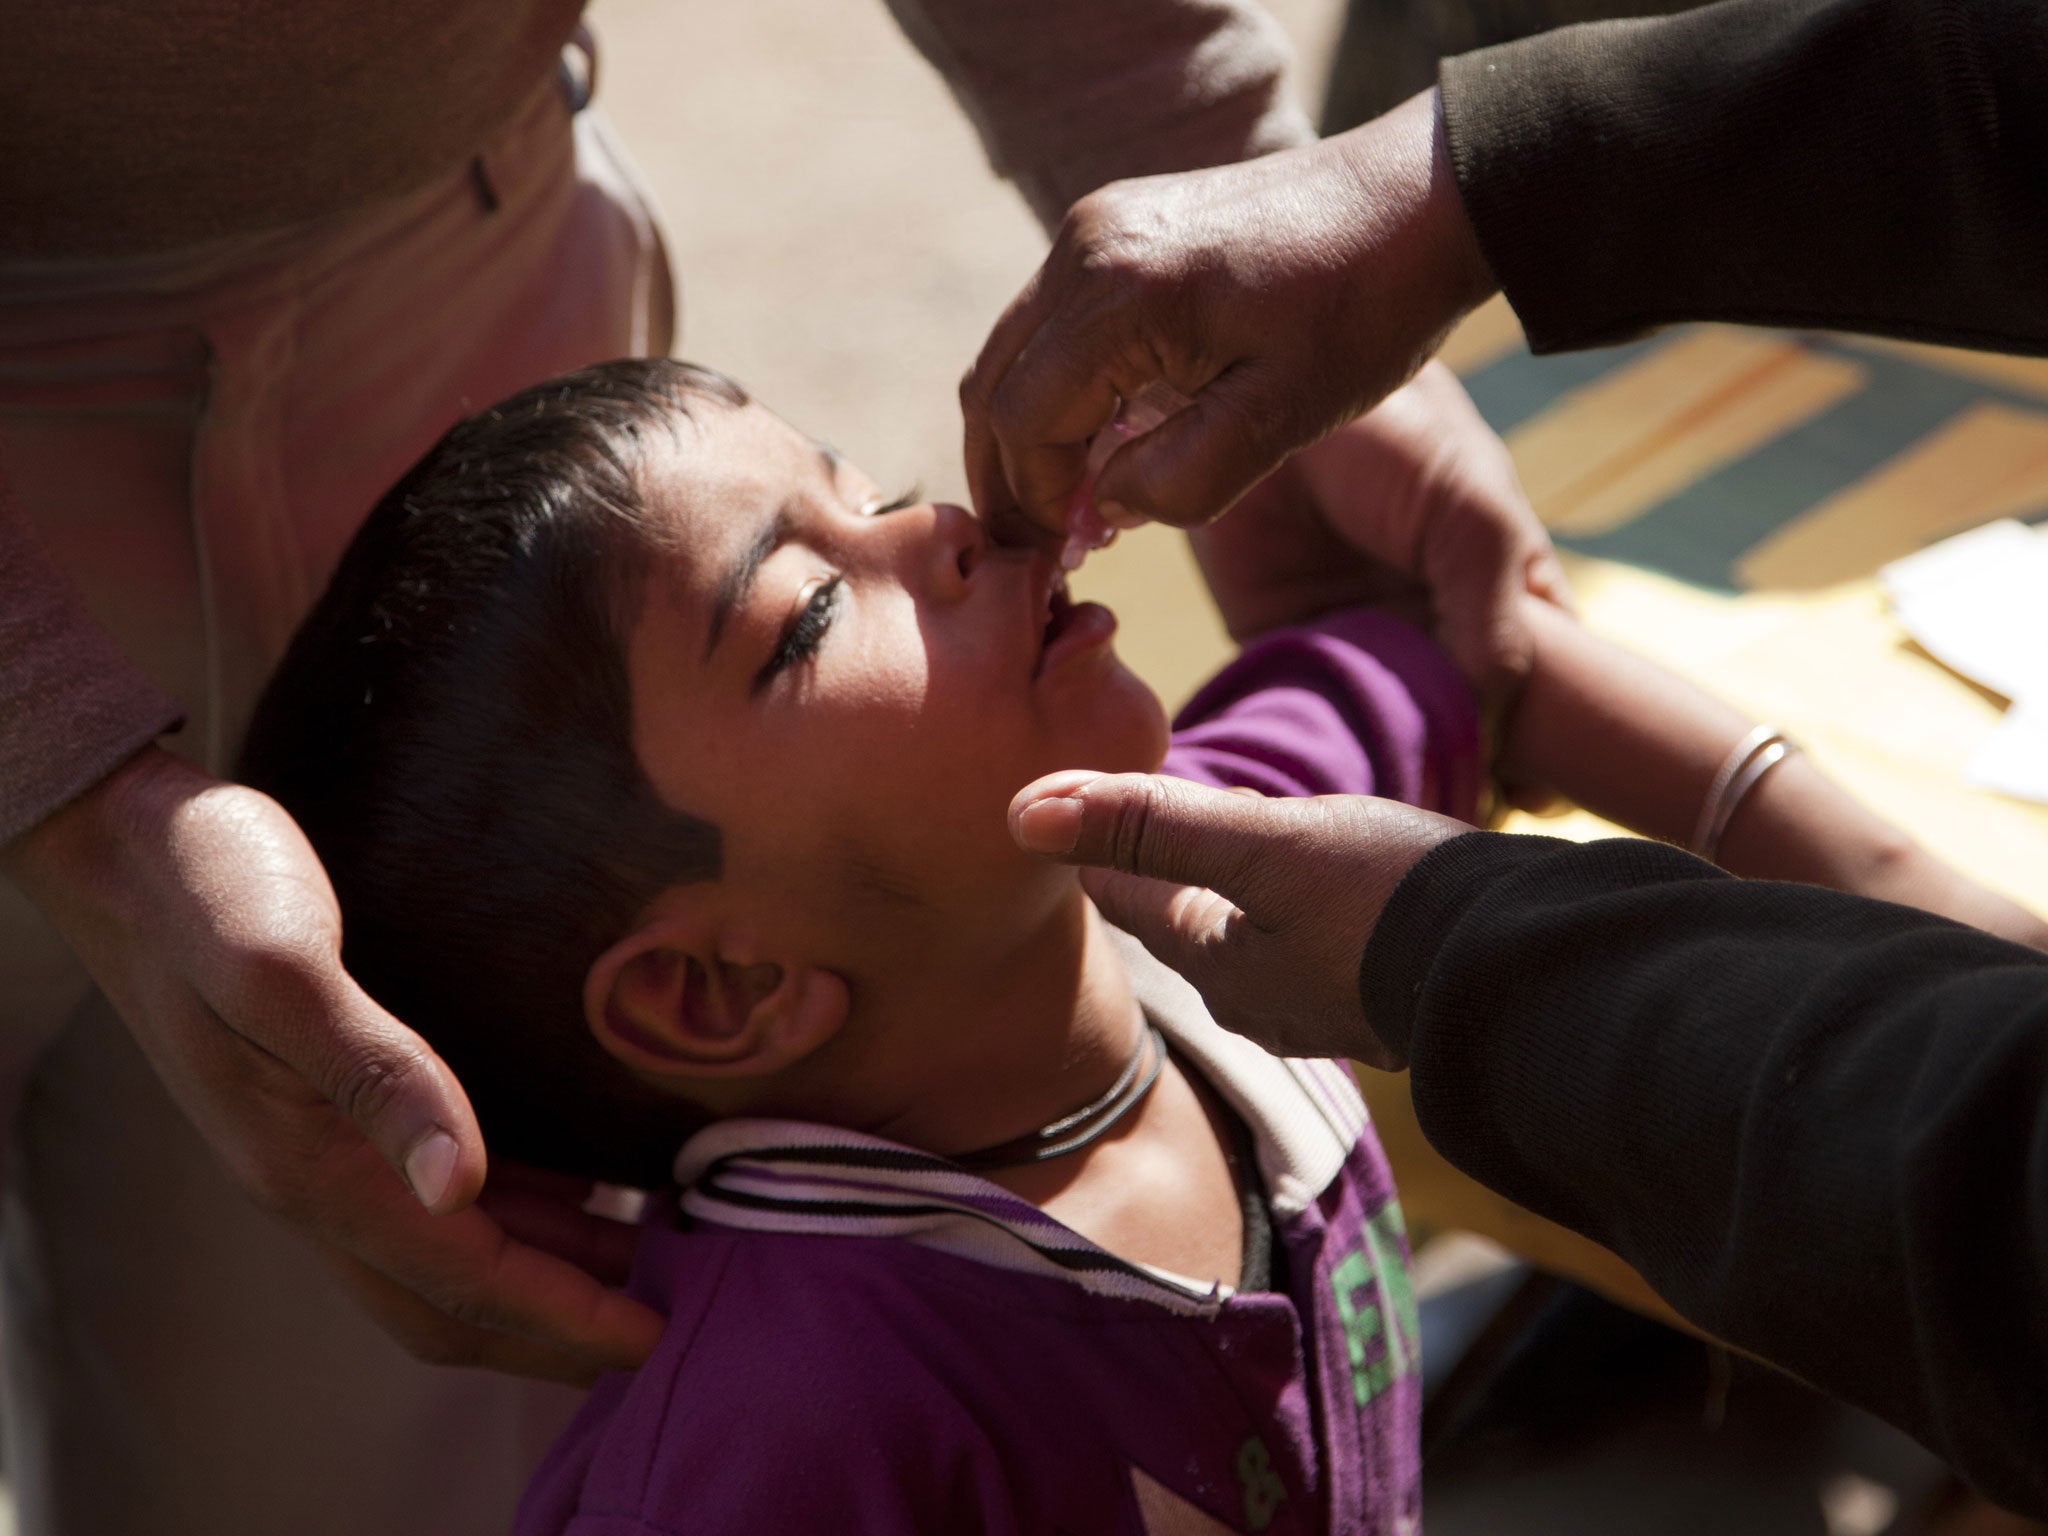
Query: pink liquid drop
(1087, 529)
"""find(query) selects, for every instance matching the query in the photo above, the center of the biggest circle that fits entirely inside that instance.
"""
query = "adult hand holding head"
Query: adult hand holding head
(1265, 906)
(1283, 295)
(204, 915)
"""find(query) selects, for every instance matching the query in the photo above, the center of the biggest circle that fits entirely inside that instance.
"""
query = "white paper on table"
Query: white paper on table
(1956, 558)
(1978, 603)
(2015, 760)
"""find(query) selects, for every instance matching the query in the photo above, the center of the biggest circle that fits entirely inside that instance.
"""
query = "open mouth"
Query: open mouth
(1070, 628)
(1059, 608)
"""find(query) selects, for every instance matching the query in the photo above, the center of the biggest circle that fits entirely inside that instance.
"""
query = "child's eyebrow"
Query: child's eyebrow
(738, 579)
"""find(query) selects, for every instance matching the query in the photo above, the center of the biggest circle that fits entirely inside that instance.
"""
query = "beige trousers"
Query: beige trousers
(195, 440)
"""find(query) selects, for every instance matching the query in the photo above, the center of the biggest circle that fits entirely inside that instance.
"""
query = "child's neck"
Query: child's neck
(1010, 1047)
(994, 1042)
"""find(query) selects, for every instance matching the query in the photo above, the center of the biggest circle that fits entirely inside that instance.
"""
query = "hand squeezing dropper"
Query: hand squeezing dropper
(1087, 530)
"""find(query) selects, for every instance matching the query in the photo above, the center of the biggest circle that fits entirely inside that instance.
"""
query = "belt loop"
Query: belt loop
(579, 80)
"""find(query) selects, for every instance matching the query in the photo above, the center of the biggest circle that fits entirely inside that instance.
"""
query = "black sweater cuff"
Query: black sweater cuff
(1865, 165)
(1817, 1124)
(1448, 884)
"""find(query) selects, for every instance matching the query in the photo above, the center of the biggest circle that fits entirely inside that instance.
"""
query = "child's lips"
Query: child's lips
(1074, 630)
(1067, 628)
(1061, 628)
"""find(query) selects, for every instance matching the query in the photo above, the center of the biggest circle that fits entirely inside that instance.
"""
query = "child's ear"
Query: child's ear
(670, 1002)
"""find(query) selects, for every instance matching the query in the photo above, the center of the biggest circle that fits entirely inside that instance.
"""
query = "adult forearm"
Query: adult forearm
(73, 707)
(1818, 1125)
(1866, 165)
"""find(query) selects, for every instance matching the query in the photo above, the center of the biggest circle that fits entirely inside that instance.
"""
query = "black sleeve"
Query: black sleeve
(1861, 165)
(1818, 1125)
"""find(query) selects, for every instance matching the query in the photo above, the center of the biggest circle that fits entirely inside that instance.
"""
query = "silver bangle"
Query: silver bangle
(1753, 757)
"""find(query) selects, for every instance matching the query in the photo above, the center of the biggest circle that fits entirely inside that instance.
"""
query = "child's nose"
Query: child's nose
(955, 547)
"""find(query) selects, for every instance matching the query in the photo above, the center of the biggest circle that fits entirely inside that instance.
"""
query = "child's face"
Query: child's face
(852, 693)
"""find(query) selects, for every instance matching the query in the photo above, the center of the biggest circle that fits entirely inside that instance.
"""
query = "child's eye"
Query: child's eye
(806, 632)
(909, 498)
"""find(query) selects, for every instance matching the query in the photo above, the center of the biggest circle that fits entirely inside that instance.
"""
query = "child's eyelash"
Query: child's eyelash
(909, 498)
(805, 634)
(808, 631)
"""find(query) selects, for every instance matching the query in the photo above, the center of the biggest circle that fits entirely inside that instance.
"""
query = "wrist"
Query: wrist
(1456, 241)
(1798, 824)
(77, 841)
(1419, 256)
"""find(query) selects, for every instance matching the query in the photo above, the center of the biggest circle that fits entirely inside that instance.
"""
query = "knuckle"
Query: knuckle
(466, 1297)
(372, 1076)
(1106, 260)
(442, 1343)
(468, 1312)
(266, 981)
(276, 1189)
(1104, 235)
(1087, 219)
(1006, 407)
(1335, 822)
(1492, 530)
(1134, 834)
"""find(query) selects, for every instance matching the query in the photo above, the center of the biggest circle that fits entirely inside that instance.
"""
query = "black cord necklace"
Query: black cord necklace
(1072, 1132)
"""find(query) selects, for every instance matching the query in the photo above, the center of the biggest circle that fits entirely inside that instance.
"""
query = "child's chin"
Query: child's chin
(1157, 737)
(1128, 754)
(1128, 731)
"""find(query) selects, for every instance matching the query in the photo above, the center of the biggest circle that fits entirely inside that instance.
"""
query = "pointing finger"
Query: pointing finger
(1161, 828)
(1183, 926)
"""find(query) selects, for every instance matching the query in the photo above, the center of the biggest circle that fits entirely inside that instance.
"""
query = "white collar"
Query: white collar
(792, 1176)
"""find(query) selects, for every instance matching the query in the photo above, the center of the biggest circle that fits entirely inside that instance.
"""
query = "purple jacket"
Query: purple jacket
(864, 1338)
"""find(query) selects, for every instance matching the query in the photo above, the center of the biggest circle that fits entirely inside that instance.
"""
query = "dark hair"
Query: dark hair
(452, 727)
